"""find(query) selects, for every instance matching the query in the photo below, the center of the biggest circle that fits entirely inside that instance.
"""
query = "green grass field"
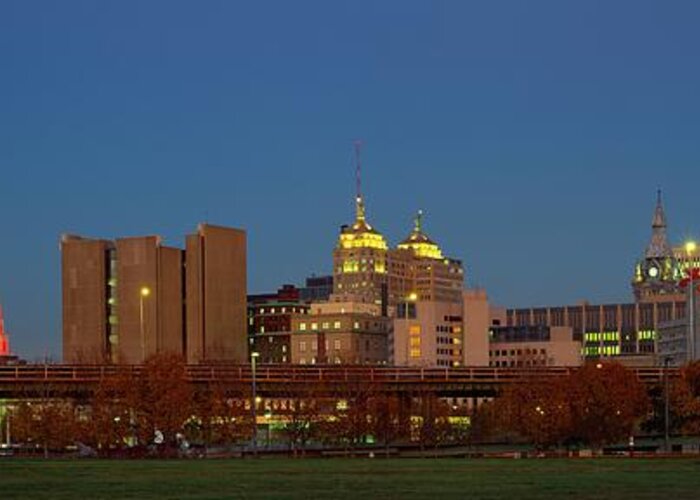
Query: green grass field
(364, 479)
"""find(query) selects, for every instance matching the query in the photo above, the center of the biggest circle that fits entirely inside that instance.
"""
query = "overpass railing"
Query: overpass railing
(304, 373)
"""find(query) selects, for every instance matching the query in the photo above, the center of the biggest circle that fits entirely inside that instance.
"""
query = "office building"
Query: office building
(533, 347)
(270, 323)
(316, 289)
(340, 333)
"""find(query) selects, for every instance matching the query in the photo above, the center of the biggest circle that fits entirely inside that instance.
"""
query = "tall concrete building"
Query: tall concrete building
(127, 299)
(216, 295)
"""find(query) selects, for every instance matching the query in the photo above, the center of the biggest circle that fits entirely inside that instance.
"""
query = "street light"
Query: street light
(690, 248)
(667, 439)
(253, 361)
(143, 293)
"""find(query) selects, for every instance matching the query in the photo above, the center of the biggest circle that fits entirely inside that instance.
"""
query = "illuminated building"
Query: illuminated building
(270, 323)
(6, 356)
(657, 274)
(340, 333)
(627, 331)
(418, 266)
(127, 299)
(428, 333)
(4, 342)
(360, 261)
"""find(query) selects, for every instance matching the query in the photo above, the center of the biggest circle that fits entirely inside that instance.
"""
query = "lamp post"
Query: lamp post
(253, 405)
(412, 297)
(667, 438)
(143, 293)
(268, 417)
(690, 248)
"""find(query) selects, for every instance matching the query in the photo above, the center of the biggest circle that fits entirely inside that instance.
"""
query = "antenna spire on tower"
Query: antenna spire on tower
(359, 203)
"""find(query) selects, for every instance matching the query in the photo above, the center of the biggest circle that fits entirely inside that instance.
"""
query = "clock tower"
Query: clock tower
(656, 275)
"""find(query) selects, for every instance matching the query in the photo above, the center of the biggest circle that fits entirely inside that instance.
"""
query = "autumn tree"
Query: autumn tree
(535, 408)
(128, 408)
(685, 399)
(607, 403)
(222, 415)
(48, 425)
(385, 418)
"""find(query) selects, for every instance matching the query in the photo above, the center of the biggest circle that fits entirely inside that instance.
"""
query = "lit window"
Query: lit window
(262, 329)
(314, 326)
(284, 348)
(302, 327)
(336, 325)
(326, 325)
(356, 325)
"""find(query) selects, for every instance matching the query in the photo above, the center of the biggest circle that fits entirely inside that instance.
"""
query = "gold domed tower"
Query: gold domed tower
(427, 272)
(360, 257)
(419, 242)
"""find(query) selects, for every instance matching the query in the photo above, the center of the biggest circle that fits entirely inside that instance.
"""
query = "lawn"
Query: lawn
(363, 479)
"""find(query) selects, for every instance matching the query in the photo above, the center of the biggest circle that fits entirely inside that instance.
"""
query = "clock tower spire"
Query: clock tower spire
(657, 272)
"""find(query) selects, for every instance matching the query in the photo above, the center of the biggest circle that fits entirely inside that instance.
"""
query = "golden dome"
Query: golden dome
(420, 243)
(361, 234)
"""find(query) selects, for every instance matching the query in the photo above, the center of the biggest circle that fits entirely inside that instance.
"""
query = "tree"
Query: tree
(597, 404)
(536, 409)
(49, 425)
(607, 403)
(129, 409)
(685, 399)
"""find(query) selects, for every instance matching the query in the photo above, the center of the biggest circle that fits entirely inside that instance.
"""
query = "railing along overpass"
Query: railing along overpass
(288, 381)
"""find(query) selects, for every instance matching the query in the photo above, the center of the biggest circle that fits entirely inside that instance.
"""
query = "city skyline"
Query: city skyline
(534, 138)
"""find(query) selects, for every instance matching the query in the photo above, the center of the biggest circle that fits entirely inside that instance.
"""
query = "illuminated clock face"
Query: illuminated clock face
(653, 272)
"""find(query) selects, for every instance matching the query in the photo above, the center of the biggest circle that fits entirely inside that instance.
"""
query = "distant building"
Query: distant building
(533, 346)
(605, 330)
(127, 299)
(676, 345)
(317, 289)
(657, 274)
(270, 323)
(429, 333)
(6, 356)
(341, 333)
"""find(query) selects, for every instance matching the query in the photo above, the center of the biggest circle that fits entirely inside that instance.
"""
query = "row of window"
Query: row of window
(337, 325)
(517, 352)
(519, 364)
(337, 345)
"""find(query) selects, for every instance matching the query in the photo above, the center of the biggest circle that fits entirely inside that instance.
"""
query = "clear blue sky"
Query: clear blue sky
(533, 133)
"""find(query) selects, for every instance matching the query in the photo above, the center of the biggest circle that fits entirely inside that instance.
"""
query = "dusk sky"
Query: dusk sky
(533, 134)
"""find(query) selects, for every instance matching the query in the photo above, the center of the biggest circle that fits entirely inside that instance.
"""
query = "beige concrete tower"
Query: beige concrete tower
(216, 295)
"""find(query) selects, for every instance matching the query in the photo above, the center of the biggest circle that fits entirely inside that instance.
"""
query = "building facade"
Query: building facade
(533, 347)
(127, 299)
(270, 323)
(340, 333)
(657, 273)
(316, 289)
